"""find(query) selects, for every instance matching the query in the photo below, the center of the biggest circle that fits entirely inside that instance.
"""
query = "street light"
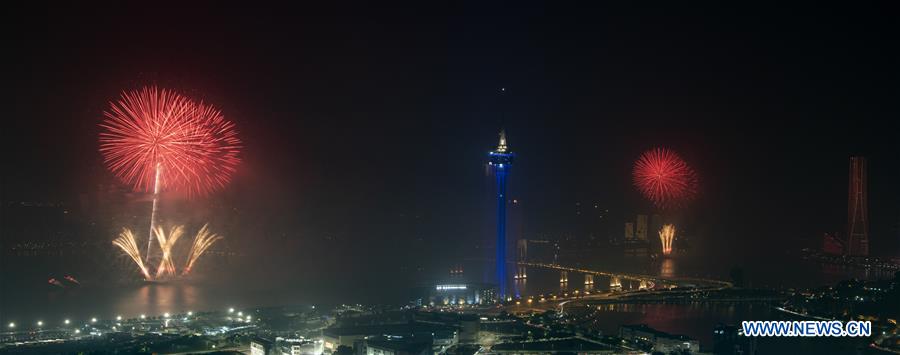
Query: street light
(166, 314)
(118, 318)
(66, 321)
(143, 316)
(190, 313)
(231, 310)
(240, 314)
(77, 331)
(40, 323)
(12, 325)
(93, 320)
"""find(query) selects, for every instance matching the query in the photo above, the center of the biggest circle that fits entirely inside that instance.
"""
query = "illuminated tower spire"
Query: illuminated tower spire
(500, 162)
(501, 147)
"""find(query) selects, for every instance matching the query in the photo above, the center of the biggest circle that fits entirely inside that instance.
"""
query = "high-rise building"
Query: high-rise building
(857, 209)
(634, 246)
(500, 161)
(641, 231)
(629, 231)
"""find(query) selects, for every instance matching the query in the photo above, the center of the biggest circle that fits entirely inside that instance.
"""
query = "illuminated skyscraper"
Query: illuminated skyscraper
(641, 231)
(629, 231)
(857, 209)
(500, 161)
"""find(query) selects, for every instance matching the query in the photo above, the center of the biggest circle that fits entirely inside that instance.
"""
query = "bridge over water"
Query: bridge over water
(658, 286)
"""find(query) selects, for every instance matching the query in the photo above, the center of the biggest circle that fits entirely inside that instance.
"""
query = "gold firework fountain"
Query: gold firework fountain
(166, 269)
(127, 243)
(666, 237)
(202, 241)
(166, 242)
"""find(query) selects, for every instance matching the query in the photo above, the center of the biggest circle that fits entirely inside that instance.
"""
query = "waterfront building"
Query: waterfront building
(459, 294)
(442, 336)
(641, 227)
(260, 346)
(661, 341)
(629, 231)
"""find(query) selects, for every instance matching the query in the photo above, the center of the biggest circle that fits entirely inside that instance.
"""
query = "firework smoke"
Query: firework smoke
(202, 241)
(166, 242)
(667, 236)
(126, 242)
(664, 178)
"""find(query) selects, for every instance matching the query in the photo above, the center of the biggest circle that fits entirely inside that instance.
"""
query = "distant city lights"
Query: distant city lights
(449, 287)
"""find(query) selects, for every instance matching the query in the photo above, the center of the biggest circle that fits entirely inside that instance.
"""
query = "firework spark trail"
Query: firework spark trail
(664, 178)
(127, 243)
(166, 242)
(203, 241)
(153, 211)
(666, 236)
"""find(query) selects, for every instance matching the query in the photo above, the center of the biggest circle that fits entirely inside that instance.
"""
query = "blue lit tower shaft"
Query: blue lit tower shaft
(501, 172)
(501, 160)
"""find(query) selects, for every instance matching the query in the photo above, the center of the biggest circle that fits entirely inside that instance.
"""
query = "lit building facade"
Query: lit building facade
(629, 231)
(461, 294)
(641, 228)
(260, 346)
(662, 342)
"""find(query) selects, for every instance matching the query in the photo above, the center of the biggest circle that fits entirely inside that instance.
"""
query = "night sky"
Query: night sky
(372, 124)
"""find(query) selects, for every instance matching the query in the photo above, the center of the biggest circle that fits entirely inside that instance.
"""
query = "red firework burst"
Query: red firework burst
(156, 131)
(664, 178)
